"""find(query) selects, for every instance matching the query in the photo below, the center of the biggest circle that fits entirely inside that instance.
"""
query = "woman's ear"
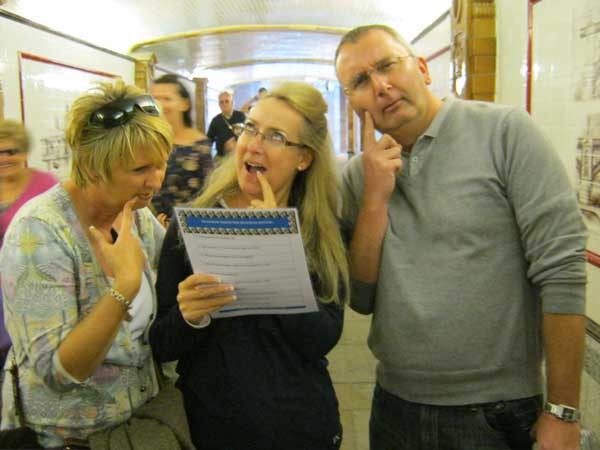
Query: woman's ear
(187, 105)
(306, 159)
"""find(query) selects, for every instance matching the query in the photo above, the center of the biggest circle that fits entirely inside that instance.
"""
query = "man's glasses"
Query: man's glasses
(361, 82)
(119, 112)
(271, 138)
(11, 151)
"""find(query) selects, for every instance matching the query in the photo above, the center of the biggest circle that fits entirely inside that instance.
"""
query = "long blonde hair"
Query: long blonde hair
(314, 192)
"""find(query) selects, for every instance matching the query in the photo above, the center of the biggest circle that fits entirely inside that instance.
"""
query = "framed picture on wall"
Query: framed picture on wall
(47, 90)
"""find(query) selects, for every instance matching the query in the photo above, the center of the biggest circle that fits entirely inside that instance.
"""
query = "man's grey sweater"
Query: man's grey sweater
(484, 236)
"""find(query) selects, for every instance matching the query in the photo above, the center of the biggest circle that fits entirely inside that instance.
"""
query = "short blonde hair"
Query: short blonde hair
(11, 130)
(96, 150)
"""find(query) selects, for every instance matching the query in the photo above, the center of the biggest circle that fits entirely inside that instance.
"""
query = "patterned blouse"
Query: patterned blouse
(187, 168)
(51, 280)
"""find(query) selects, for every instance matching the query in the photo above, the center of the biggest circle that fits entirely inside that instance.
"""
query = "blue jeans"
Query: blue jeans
(400, 425)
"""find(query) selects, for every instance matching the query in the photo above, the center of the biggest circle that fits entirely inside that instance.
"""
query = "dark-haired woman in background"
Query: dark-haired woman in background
(190, 161)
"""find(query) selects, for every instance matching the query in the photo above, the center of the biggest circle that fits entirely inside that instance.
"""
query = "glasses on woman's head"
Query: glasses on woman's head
(271, 138)
(11, 151)
(361, 81)
(120, 111)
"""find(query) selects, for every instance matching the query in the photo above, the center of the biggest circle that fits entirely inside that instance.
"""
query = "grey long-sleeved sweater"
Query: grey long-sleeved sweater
(484, 236)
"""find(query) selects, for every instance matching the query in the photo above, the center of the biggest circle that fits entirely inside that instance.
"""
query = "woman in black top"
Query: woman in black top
(261, 381)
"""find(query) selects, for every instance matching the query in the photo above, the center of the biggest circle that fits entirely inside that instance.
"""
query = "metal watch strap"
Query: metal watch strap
(563, 412)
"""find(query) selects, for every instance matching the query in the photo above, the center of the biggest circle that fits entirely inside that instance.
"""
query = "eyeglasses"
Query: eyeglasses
(11, 151)
(272, 138)
(360, 83)
(120, 111)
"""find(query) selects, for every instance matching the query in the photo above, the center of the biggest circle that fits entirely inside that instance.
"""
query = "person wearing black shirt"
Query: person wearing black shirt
(220, 129)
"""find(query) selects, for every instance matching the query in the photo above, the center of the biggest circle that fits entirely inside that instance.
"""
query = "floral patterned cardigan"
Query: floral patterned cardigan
(51, 280)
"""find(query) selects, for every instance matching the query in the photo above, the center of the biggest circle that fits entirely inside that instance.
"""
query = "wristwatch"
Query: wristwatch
(563, 412)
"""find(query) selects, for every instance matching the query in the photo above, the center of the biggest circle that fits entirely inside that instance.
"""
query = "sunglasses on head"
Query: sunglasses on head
(119, 112)
(11, 151)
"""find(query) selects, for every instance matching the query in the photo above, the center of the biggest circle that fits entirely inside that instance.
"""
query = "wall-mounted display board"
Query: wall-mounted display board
(564, 97)
(47, 90)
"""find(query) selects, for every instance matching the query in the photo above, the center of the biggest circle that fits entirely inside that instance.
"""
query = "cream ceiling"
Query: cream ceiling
(229, 41)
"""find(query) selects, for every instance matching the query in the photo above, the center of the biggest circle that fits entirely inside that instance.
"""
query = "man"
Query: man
(220, 129)
(468, 248)
(262, 92)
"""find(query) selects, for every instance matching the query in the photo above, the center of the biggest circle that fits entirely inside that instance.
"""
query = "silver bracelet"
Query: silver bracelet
(120, 298)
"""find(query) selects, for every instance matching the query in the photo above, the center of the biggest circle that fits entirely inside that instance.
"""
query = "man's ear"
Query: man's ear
(424, 69)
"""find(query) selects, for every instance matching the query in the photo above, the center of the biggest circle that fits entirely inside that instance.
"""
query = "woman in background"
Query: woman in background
(77, 270)
(261, 381)
(18, 184)
(190, 161)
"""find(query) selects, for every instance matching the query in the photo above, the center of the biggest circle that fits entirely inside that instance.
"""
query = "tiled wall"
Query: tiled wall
(434, 47)
(565, 53)
(17, 37)
(590, 389)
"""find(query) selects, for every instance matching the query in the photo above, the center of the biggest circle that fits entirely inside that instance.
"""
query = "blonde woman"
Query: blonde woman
(18, 182)
(77, 274)
(261, 381)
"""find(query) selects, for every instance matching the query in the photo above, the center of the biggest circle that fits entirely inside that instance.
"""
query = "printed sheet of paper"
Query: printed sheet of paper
(259, 251)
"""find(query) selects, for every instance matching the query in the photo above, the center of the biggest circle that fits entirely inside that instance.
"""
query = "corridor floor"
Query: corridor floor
(352, 368)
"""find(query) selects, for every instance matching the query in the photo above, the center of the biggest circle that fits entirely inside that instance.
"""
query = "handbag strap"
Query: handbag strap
(16, 389)
(161, 378)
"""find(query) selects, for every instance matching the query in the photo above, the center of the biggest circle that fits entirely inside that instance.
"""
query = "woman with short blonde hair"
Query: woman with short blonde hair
(77, 271)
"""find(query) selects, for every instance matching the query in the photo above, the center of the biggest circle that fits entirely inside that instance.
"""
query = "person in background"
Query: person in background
(261, 381)
(190, 161)
(18, 184)
(221, 129)
(469, 250)
(262, 92)
(77, 270)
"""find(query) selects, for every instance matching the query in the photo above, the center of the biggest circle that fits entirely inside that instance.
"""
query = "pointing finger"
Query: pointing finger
(368, 132)
(268, 195)
(126, 216)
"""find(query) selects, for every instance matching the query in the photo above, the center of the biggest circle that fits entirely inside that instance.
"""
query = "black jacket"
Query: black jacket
(251, 382)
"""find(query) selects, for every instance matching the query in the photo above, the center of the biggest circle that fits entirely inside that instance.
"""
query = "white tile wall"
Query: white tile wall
(439, 67)
(558, 56)
(17, 37)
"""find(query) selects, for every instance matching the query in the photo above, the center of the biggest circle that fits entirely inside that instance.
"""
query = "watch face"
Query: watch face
(562, 412)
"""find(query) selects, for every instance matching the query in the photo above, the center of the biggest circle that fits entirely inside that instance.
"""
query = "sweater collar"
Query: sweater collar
(438, 120)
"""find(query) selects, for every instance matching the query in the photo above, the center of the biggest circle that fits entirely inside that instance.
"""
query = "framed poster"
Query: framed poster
(47, 90)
